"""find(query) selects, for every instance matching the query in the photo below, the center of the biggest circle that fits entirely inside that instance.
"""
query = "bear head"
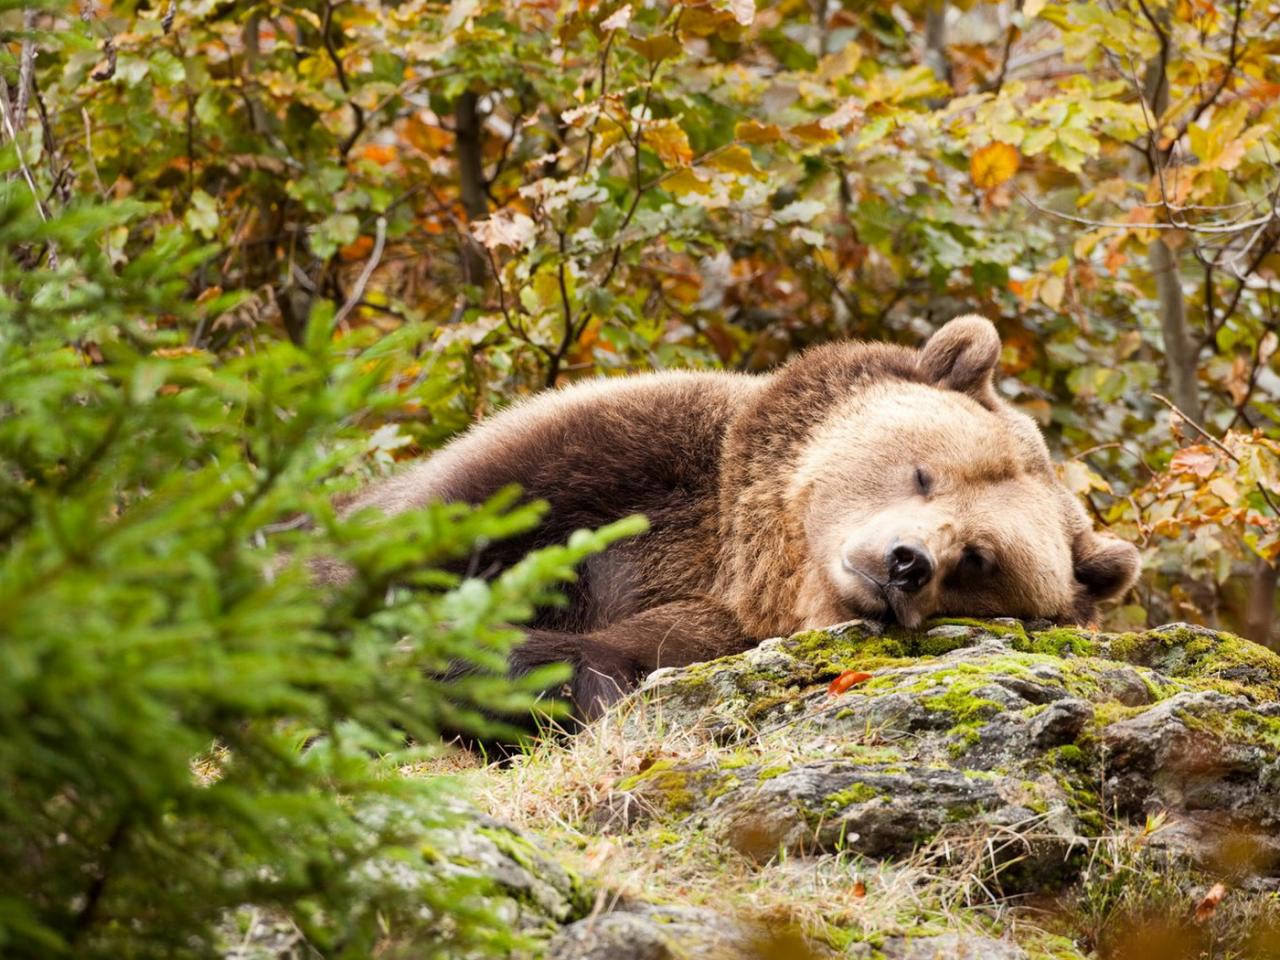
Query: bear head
(926, 494)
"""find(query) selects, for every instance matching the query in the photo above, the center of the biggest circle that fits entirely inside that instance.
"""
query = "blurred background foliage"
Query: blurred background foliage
(533, 192)
(256, 252)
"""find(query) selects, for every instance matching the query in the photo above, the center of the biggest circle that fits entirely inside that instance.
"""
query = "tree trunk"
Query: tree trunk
(1179, 350)
(1260, 616)
(471, 180)
(935, 40)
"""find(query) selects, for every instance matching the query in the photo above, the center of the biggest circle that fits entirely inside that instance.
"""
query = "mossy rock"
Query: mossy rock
(1020, 704)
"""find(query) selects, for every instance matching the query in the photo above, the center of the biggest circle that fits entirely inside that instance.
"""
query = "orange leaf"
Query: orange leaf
(850, 678)
(669, 142)
(859, 889)
(993, 165)
(1206, 907)
(357, 249)
(379, 153)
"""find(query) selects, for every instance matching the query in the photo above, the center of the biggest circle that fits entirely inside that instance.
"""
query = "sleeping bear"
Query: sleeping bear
(858, 480)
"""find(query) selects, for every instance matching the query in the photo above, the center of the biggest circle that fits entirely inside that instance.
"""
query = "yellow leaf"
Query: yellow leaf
(735, 159)
(749, 131)
(993, 165)
(814, 133)
(837, 65)
(1052, 291)
(656, 48)
(684, 182)
(669, 142)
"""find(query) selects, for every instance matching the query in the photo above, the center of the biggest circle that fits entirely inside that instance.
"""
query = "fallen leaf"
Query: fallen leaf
(850, 678)
(1206, 907)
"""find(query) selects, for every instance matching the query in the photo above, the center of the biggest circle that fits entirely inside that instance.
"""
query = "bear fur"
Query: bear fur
(858, 480)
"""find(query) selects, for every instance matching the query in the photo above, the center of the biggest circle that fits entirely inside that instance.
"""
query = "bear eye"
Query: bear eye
(975, 562)
(924, 482)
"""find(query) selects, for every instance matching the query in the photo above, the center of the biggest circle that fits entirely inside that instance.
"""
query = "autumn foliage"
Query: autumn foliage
(250, 248)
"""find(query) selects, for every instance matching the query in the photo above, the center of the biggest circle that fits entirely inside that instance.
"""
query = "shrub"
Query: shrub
(187, 724)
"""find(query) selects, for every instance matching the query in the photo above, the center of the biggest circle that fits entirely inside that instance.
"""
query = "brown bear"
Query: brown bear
(858, 480)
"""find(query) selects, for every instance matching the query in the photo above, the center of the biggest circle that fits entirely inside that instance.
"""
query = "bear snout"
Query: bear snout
(909, 564)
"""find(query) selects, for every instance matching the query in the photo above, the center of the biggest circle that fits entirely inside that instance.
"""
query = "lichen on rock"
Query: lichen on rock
(970, 791)
(1026, 746)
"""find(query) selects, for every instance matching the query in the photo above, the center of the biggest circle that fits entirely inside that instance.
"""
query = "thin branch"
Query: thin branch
(357, 292)
(1009, 36)
(26, 67)
(326, 34)
(10, 129)
(1206, 229)
(604, 89)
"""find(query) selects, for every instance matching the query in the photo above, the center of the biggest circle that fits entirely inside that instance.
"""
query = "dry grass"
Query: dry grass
(555, 787)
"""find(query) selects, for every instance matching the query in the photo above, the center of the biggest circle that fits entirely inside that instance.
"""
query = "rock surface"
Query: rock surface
(1038, 748)
(970, 727)
(972, 791)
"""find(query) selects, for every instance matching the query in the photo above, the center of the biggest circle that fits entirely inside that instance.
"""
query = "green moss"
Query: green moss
(1010, 629)
(1217, 661)
(959, 701)
(764, 706)
(768, 773)
(854, 793)
(1059, 642)
(867, 753)
(1069, 755)
(962, 740)
(735, 760)
(664, 838)
(1046, 946)
(836, 650)
(665, 781)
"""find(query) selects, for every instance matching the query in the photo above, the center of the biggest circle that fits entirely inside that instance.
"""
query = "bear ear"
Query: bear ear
(1105, 566)
(962, 357)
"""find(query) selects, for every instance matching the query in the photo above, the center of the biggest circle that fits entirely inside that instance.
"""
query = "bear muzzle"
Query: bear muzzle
(910, 566)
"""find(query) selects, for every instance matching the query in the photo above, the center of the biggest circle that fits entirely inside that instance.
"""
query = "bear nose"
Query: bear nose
(910, 566)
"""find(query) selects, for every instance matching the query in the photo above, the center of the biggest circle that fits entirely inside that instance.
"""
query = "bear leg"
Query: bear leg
(609, 662)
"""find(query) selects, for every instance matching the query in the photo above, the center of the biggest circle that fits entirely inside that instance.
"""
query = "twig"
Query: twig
(1008, 49)
(26, 67)
(88, 148)
(604, 89)
(1208, 229)
(357, 292)
(10, 130)
(326, 28)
